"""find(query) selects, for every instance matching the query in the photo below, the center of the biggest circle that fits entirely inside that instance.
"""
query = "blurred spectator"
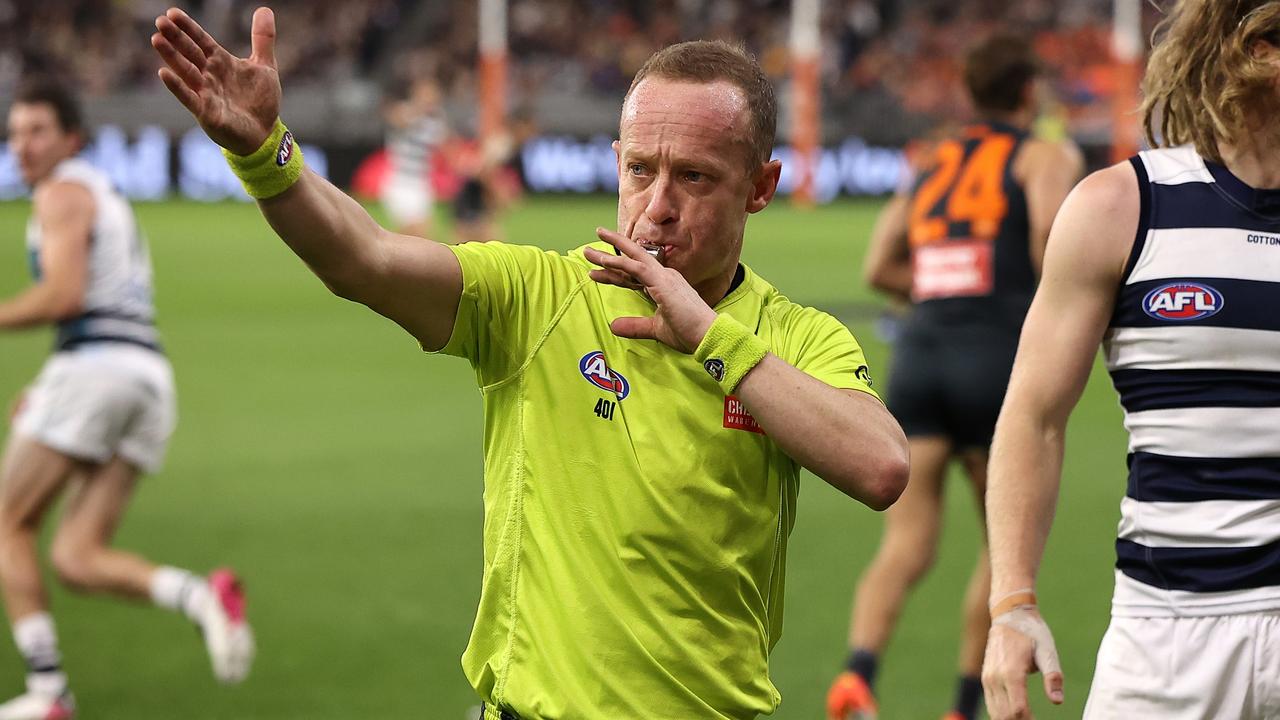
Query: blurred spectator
(896, 56)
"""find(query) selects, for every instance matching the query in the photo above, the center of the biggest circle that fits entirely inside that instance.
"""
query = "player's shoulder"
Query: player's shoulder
(60, 197)
(1042, 155)
(1111, 193)
(1094, 232)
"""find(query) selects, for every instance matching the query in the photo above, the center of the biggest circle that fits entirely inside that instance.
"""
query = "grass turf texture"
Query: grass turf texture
(339, 469)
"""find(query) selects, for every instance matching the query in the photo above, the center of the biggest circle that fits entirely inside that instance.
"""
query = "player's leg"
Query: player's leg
(85, 561)
(216, 602)
(976, 619)
(977, 378)
(907, 549)
(410, 204)
(31, 476)
(82, 556)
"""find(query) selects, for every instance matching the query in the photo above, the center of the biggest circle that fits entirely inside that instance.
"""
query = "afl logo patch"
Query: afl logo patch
(598, 373)
(1182, 301)
(285, 151)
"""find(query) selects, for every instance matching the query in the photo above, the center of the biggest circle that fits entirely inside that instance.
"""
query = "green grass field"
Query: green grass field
(339, 469)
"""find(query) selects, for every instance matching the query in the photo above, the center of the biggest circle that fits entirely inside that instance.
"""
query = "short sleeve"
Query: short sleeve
(823, 347)
(509, 293)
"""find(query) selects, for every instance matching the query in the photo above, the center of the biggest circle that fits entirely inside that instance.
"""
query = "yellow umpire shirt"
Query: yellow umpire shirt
(636, 518)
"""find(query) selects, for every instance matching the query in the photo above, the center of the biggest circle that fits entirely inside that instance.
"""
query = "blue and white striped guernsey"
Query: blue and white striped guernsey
(1194, 351)
(117, 305)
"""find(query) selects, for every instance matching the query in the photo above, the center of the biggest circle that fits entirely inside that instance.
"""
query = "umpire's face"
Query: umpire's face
(684, 184)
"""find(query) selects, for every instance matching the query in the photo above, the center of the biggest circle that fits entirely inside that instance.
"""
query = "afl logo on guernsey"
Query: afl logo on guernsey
(598, 373)
(1182, 301)
(285, 150)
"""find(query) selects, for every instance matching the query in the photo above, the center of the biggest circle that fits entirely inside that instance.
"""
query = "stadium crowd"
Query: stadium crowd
(879, 53)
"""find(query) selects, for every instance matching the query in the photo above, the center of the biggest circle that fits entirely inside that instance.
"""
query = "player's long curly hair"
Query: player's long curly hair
(1206, 80)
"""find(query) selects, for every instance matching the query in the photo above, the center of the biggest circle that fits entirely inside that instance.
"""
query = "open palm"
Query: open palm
(235, 100)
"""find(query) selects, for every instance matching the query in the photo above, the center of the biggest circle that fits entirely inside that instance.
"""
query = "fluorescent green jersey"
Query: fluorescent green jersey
(636, 519)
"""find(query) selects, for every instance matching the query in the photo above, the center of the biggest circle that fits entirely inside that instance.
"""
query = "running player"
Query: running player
(415, 128)
(1172, 261)
(97, 417)
(649, 400)
(964, 247)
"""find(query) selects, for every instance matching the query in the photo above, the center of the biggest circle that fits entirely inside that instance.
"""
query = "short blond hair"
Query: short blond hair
(707, 61)
(1203, 76)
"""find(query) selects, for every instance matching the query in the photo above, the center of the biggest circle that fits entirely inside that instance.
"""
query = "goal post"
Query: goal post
(492, 90)
(806, 96)
(1126, 52)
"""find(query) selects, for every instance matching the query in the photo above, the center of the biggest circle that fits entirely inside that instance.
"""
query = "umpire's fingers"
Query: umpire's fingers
(189, 99)
(614, 277)
(202, 39)
(635, 328)
(263, 36)
(181, 42)
(177, 62)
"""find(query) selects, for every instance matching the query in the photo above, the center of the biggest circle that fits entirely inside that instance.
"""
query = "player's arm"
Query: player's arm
(1084, 263)
(64, 212)
(887, 265)
(845, 437)
(1050, 170)
(414, 282)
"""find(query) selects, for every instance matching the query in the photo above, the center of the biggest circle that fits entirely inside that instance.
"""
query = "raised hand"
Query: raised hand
(235, 100)
(682, 317)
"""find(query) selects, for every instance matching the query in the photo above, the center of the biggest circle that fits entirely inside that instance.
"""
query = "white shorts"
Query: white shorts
(408, 201)
(103, 400)
(1188, 668)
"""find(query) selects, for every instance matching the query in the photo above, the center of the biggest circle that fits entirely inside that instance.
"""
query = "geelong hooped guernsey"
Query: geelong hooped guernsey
(636, 518)
(117, 305)
(410, 147)
(1194, 352)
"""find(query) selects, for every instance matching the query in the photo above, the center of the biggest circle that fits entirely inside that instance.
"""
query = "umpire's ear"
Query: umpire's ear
(764, 185)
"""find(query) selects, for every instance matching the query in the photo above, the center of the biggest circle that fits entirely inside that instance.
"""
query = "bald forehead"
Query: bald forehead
(719, 107)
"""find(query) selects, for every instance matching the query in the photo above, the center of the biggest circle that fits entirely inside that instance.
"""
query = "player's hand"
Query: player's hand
(1018, 645)
(18, 403)
(681, 318)
(235, 100)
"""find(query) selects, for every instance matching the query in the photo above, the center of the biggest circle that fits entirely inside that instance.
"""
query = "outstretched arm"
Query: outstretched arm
(414, 282)
(845, 437)
(64, 212)
(1084, 262)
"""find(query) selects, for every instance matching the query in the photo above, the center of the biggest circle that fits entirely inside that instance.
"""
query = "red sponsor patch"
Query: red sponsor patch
(736, 416)
(954, 268)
